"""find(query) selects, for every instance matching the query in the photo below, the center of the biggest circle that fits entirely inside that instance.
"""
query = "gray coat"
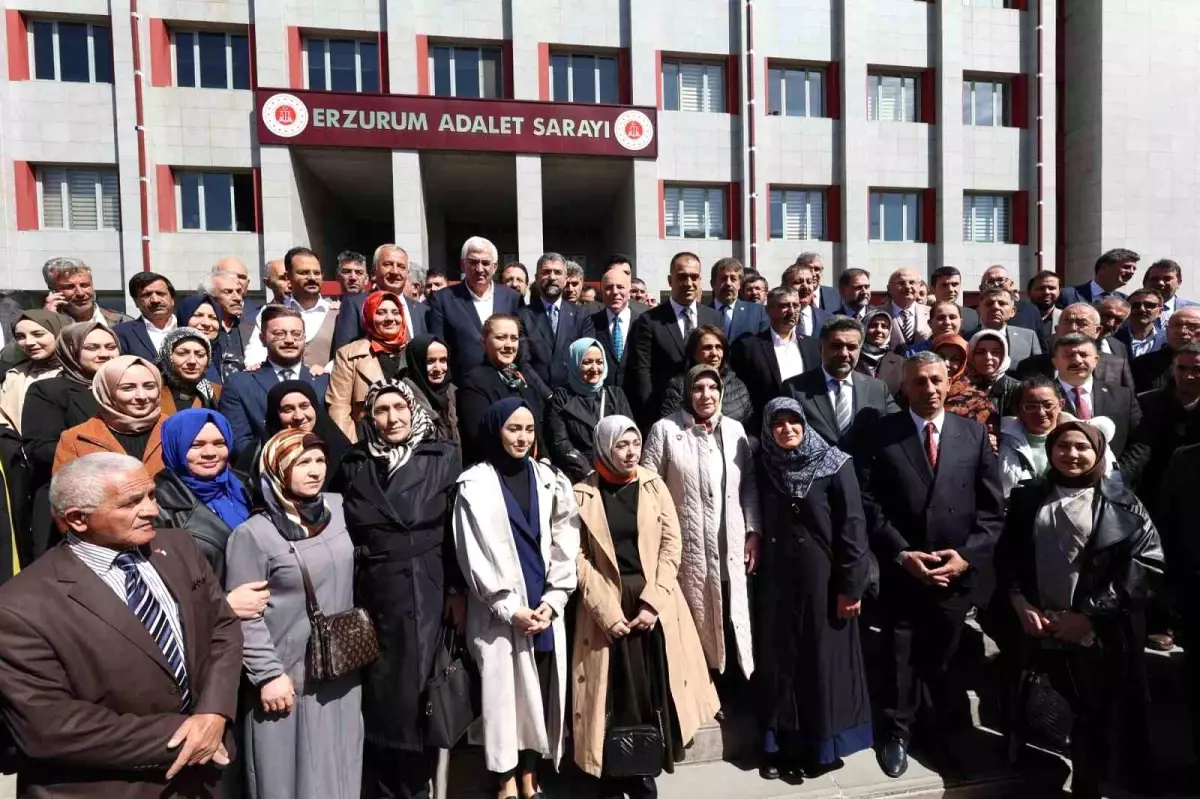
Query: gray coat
(314, 752)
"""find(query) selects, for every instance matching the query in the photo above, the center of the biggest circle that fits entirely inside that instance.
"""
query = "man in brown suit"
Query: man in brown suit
(119, 656)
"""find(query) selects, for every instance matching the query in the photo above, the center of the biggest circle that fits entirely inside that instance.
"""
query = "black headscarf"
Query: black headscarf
(1096, 438)
(513, 471)
(336, 443)
(415, 356)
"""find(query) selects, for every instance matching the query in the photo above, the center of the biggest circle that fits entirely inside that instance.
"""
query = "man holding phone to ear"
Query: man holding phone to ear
(73, 294)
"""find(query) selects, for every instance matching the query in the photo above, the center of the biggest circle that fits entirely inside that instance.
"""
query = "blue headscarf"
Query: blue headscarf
(224, 494)
(186, 307)
(579, 349)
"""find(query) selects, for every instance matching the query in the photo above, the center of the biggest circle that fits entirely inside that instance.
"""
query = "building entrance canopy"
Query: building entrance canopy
(407, 122)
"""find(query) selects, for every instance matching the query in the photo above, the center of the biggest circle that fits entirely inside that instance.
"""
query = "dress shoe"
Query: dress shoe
(768, 769)
(815, 770)
(893, 758)
(1161, 642)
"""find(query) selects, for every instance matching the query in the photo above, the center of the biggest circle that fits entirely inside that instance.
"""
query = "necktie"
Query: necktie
(554, 318)
(906, 326)
(727, 313)
(154, 619)
(618, 338)
(842, 409)
(931, 447)
(1082, 409)
(287, 374)
(688, 324)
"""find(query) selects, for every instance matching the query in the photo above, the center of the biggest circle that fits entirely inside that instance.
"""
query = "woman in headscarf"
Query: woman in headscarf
(516, 530)
(987, 369)
(708, 466)
(876, 359)
(379, 355)
(427, 372)
(399, 487)
(128, 390)
(811, 682)
(183, 360)
(293, 404)
(963, 398)
(1080, 558)
(201, 312)
(55, 404)
(576, 409)
(36, 335)
(707, 345)
(303, 738)
(637, 657)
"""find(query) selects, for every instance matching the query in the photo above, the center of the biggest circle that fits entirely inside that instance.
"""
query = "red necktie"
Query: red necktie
(1082, 409)
(931, 447)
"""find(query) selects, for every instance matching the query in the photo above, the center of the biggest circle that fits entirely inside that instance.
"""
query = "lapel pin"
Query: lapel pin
(160, 551)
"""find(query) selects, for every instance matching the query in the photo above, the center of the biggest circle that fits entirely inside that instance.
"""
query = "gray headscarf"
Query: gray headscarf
(604, 438)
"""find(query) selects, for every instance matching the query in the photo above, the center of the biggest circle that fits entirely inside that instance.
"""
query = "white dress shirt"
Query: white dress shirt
(805, 322)
(157, 334)
(847, 387)
(787, 355)
(279, 370)
(679, 309)
(624, 317)
(1086, 388)
(1144, 346)
(97, 316)
(920, 423)
(408, 317)
(484, 304)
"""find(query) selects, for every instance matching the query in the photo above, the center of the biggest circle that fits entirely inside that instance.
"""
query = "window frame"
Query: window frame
(31, 43)
(571, 55)
(1001, 115)
(876, 200)
(903, 104)
(229, 76)
(328, 66)
(65, 195)
(1000, 236)
(479, 49)
(717, 100)
(807, 70)
(809, 191)
(719, 214)
(201, 195)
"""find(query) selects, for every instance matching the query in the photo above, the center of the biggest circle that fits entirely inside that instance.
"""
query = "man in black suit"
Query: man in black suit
(806, 281)
(854, 288)
(1170, 420)
(1113, 369)
(611, 326)
(740, 318)
(658, 336)
(1113, 270)
(839, 402)
(1075, 357)
(1153, 370)
(457, 313)
(947, 287)
(390, 272)
(765, 360)
(549, 324)
(155, 298)
(826, 298)
(931, 489)
(1038, 311)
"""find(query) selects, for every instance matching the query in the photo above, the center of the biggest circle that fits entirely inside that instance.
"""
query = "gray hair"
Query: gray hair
(923, 358)
(416, 272)
(382, 248)
(478, 243)
(208, 286)
(1092, 312)
(574, 269)
(551, 257)
(779, 292)
(808, 259)
(62, 264)
(84, 482)
(219, 267)
(1113, 300)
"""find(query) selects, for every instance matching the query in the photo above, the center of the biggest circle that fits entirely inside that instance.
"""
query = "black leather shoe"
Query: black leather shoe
(815, 770)
(893, 758)
(769, 768)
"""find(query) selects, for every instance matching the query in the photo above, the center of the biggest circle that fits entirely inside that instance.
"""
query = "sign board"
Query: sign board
(420, 122)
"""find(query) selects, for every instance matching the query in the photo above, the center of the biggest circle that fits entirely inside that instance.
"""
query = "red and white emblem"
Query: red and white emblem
(634, 130)
(285, 115)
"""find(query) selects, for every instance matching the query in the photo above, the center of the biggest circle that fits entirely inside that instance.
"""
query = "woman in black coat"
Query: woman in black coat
(397, 496)
(1079, 559)
(491, 382)
(575, 410)
(707, 345)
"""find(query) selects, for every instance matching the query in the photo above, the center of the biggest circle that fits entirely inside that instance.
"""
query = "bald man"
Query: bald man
(611, 324)
(277, 281)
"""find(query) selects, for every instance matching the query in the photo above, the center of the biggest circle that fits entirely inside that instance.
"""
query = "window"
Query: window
(795, 92)
(77, 52)
(985, 218)
(991, 3)
(77, 198)
(211, 60)
(580, 78)
(894, 216)
(466, 71)
(342, 65)
(694, 212)
(984, 103)
(797, 214)
(215, 201)
(892, 98)
(693, 86)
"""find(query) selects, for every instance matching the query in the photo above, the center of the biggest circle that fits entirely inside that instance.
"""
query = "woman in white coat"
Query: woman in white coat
(708, 466)
(516, 527)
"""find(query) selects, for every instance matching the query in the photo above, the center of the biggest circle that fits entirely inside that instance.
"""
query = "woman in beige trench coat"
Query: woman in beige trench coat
(634, 634)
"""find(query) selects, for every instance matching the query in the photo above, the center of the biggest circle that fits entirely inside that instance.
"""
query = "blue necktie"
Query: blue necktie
(727, 313)
(618, 338)
(553, 318)
(152, 616)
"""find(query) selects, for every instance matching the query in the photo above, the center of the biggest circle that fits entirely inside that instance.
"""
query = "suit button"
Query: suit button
(407, 572)
(585, 642)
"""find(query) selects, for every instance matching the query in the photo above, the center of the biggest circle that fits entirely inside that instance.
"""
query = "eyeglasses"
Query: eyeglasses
(283, 335)
(1034, 407)
(1149, 306)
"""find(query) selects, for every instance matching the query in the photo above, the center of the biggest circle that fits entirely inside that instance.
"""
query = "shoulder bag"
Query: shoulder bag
(449, 700)
(339, 644)
(632, 750)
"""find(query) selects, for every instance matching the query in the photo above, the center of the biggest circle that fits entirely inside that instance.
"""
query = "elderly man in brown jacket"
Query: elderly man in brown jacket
(119, 656)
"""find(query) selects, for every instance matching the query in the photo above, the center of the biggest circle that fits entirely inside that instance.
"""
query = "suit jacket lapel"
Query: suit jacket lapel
(674, 331)
(914, 447)
(468, 304)
(949, 444)
(265, 375)
(169, 565)
(139, 330)
(820, 398)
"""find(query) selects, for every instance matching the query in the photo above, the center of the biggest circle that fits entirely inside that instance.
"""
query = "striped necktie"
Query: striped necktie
(152, 616)
(906, 326)
(842, 406)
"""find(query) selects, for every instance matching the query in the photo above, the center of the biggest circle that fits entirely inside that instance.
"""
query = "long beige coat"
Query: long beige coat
(513, 718)
(679, 449)
(692, 690)
(355, 368)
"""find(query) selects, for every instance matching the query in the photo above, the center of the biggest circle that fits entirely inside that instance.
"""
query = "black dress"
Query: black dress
(481, 387)
(571, 420)
(809, 673)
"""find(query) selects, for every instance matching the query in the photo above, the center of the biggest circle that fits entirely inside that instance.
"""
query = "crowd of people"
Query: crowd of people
(618, 512)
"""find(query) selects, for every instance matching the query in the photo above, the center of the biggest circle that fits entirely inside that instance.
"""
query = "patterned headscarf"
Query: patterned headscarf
(104, 387)
(170, 375)
(794, 470)
(294, 518)
(870, 353)
(70, 347)
(395, 454)
(579, 350)
(380, 342)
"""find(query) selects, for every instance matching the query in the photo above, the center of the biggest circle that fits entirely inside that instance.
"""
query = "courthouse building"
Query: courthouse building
(164, 134)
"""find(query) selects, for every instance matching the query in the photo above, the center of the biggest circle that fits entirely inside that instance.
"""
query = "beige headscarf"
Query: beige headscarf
(104, 386)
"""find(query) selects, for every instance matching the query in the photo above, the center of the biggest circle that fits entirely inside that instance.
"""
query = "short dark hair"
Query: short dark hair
(510, 265)
(633, 280)
(1032, 383)
(434, 271)
(275, 311)
(987, 294)
(944, 271)
(1073, 340)
(1045, 274)
(1191, 348)
(1116, 256)
(778, 292)
(618, 258)
(689, 347)
(724, 265)
(851, 273)
(139, 281)
(1146, 292)
(294, 253)
(1167, 263)
(679, 256)
(838, 323)
(352, 257)
(794, 268)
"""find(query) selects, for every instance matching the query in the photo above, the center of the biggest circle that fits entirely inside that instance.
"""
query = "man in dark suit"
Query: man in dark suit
(549, 324)
(806, 282)
(740, 318)
(1038, 312)
(931, 489)
(73, 294)
(391, 274)
(657, 339)
(611, 326)
(947, 287)
(825, 297)
(854, 288)
(1075, 358)
(120, 657)
(839, 402)
(995, 311)
(1153, 370)
(1113, 368)
(765, 360)
(244, 398)
(1170, 420)
(1113, 270)
(457, 313)
(155, 298)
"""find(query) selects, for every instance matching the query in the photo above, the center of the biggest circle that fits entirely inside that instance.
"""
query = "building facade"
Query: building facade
(880, 133)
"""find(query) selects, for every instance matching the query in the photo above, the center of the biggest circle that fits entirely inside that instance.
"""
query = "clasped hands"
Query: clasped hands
(645, 620)
(532, 622)
(934, 568)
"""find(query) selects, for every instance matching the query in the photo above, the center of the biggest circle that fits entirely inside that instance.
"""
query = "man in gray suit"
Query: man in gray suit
(996, 307)
(741, 318)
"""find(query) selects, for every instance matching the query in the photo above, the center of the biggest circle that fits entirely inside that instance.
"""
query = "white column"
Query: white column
(855, 27)
(282, 214)
(408, 205)
(529, 207)
(947, 168)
